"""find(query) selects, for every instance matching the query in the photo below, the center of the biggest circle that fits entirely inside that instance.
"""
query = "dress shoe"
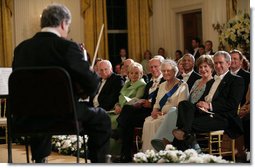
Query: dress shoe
(159, 144)
(41, 160)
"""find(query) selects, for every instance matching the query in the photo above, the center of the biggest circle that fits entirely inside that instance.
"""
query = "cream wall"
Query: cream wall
(27, 18)
(166, 22)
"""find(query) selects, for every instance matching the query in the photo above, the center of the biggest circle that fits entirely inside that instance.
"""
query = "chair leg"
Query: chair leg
(85, 149)
(219, 144)
(27, 151)
(78, 150)
(233, 150)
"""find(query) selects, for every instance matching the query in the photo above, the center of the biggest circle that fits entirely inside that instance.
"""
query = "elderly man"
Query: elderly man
(189, 75)
(221, 98)
(133, 115)
(109, 88)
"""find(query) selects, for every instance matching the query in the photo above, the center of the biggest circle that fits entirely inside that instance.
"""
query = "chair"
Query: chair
(41, 101)
(3, 119)
(215, 143)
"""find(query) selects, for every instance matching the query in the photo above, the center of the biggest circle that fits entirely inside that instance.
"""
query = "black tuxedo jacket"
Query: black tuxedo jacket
(110, 92)
(246, 76)
(192, 78)
(48, 49)
(226, 100)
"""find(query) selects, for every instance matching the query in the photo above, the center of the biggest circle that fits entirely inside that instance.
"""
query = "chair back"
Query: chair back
(41, 101)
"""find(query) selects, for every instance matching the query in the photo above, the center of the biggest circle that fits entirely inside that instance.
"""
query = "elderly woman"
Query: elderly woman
(170, 93)
(163, 134)
(133, 89)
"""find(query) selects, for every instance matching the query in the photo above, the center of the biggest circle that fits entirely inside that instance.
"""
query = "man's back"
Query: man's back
(47, 49)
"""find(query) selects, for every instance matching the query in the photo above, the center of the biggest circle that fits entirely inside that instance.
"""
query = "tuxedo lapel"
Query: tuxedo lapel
(221, 85)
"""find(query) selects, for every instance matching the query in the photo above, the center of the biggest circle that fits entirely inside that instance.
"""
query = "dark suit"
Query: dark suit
(224, 104)
(47, 49)
(246, 76)
(192, 78)
(110, 92)
(131, 117)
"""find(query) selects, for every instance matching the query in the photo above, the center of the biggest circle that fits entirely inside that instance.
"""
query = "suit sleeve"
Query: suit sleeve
(79, 70)
(230, 96)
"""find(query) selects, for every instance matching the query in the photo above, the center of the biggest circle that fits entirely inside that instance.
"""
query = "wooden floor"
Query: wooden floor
(19, 155)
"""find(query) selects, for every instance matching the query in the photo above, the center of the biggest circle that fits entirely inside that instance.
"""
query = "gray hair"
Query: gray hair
(107, 62)
(158, 57)
(225, 54)
(173, 64)
(54, 14)
(135, 65)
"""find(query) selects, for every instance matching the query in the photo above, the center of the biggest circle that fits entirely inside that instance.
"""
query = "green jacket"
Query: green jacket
(131, 93)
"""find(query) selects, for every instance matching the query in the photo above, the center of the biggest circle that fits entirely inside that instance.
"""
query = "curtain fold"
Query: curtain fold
(6, 53)
(231, 8)
(94, 14)
(138, 13)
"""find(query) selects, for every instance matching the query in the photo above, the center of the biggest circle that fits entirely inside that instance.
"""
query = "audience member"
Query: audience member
(208, 47)
(117, 69)
(216, 109)
(170, 93)
(133, 115)
(162, 52)
(246, 64)
(109, 88)
(178, 55)
(180, 67)
(133, 89)
(236, 68)
(245, 116)
(189, 75)
(125, 66)
(121, 57)
(163, 135)
(96, 64)
(195, 42)
(145, 61)
(201, 49)
(49, 47)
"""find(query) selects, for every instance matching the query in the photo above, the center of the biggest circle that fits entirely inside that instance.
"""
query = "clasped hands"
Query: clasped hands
(203, 105)
(155, 113)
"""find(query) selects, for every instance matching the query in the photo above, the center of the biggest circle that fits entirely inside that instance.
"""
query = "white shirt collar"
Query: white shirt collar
(235, 72)
(50, 29)
(157, 79)
(222, 76)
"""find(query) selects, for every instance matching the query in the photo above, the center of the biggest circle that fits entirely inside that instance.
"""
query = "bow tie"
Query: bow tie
(216, 77)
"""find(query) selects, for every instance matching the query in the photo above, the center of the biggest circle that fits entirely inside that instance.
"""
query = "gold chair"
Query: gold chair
(3, 119)
(215, 142)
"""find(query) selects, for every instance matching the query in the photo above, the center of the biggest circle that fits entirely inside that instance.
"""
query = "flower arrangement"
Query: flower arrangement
(235, 34)
(67, 144)
(171, 155)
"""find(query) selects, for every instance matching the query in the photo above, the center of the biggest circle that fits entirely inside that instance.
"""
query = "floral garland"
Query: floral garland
(235, 34)
(67, 144)
(171, 155)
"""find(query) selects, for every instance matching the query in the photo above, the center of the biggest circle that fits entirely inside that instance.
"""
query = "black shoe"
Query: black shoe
(159, 144)
(42, 160)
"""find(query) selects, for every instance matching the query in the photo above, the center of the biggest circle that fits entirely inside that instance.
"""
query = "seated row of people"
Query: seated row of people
(175, 104)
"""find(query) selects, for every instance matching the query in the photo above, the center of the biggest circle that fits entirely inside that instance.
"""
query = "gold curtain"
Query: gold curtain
(231, 8)
(94, 14)
(138, 13)
(6, 11)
